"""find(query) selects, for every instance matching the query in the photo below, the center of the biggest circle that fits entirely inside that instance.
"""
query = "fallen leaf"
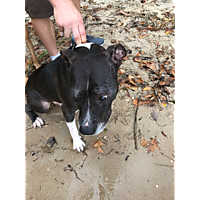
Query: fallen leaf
(162, 83)
(135, 102)
(147, 88)
(150, 96)
(123, 13)
(164, 104)
(137, 59)
(139, 80)
(142, 23)
(126, 58)
(151, 65)
(113, 41)
(130, 78)
(154, 115)
(121, 71)
(97, 143)
(169, 80)
(168, 31)
(134, 88)
(143, 142)
(152, 145)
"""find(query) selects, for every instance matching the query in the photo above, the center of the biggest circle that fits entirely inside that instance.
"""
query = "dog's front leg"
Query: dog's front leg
(78, 144)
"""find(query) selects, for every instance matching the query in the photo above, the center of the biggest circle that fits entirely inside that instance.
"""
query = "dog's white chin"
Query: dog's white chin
(100, 128)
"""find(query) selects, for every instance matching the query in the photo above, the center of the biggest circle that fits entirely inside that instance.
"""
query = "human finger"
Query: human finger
(82, 33)
(67, 32)
(76, 35)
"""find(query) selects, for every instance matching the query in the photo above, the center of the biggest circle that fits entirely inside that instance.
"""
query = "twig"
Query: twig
(35, 159)
(109, 152)
(167, 156)
(84, 161)
(135, 124)
(124, 13)
(161, 125)
(154, 23)
(70, 168)
(163, 165)
(29, 127)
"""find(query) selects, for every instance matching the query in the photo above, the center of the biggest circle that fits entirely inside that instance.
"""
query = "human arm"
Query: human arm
(69, 19)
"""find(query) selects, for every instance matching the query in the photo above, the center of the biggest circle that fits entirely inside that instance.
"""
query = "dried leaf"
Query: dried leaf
(126, 58)
(168, 31)
(164, 104)
(130, 78)
(113, 41)
(123, 13)
(121, 71)
(154, 115)
(139, 54)
(152, 145)
(137, 59)
(142, 23)
(97, 143)
(139, 80)
(134, 88)
(143, 142)
(147, 88)
(135, 102)
(151, 65)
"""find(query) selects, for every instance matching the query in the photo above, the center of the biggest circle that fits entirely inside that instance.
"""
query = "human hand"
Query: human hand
(69, 20)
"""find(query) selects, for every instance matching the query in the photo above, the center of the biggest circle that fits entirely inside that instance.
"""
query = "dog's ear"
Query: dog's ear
(68, 55)
(116, 53)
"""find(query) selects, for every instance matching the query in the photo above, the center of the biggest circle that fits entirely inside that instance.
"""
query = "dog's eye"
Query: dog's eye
(102, 98)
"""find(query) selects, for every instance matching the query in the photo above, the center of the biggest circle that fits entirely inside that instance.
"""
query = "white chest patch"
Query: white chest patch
(87, 45)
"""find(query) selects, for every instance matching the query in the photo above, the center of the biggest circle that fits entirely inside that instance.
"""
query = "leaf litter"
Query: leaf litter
(150, 145)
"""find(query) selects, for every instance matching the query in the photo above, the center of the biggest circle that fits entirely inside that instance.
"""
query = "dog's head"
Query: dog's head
(93, 83)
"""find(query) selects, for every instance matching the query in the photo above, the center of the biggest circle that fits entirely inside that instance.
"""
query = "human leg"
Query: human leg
(46, 32)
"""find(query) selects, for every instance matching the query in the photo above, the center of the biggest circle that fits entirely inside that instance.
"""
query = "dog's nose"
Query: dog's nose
(87, 129)
(86, 124)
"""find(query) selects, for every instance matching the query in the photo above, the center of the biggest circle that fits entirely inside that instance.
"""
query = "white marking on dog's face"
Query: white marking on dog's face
(78, 144)
(87, 45)
(100, 128)
(86, 121)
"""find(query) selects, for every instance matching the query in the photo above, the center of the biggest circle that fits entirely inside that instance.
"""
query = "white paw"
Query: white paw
(38, 122)
(78, 144)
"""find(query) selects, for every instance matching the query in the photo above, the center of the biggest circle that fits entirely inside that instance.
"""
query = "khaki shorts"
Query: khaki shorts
(39, 8)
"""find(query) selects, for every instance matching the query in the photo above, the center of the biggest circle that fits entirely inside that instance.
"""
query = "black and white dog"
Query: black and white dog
(83, 79)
